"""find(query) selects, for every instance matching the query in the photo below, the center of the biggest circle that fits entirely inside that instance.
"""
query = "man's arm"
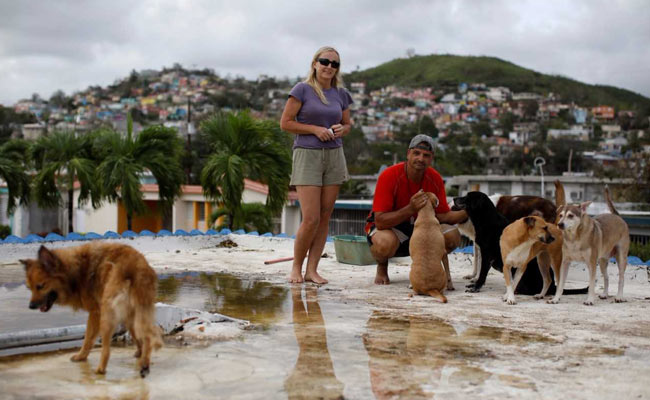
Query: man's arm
(452, 217)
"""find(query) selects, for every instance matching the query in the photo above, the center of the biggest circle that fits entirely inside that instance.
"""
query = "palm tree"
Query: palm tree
(243, 147)
(125, 159)
(13, 170)
(251, 216)
(62, 159)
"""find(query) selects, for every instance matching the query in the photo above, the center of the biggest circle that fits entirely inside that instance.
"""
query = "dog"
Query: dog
(489, 224)
(113, 282)
(513, 208)
(594, 240)
(427, 249)
(523, 240)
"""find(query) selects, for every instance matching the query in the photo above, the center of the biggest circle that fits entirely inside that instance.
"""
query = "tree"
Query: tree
(355, 148)
(507, 123)
(62, 159)
(9, 121)
(354, 189)
(59, 99)
(125, 159)
(13, 156)
(243, 147)
(481, 129)
(250, 217)
(530, 109)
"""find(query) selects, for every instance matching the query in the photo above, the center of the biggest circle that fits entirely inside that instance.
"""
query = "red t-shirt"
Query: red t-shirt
(394, 190)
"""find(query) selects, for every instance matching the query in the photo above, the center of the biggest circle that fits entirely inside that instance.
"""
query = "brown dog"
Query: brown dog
(523, 240)
(113, 282)
(427, 248)
(594, 240)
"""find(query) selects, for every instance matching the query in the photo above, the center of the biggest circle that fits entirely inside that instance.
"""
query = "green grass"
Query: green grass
(447, 71)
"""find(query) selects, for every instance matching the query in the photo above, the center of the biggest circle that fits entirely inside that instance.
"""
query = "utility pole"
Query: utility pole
(540, 162)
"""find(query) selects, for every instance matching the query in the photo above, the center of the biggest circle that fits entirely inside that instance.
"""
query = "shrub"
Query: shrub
(4, 231)
(640, 250)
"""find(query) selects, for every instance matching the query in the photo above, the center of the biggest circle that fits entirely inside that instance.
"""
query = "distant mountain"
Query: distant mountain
(447, 71)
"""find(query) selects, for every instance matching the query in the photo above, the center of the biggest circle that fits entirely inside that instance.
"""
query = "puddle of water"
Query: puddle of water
(415, 356)
(256, 301)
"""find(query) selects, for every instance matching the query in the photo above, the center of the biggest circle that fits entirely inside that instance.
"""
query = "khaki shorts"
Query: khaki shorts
(319, 167)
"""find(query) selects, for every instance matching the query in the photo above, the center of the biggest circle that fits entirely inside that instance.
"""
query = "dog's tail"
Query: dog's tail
(608, 199)
(437, 295)
(560, 197)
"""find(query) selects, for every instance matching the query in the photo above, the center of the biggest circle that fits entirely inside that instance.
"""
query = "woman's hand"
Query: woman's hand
(323, 134)
(340, 130)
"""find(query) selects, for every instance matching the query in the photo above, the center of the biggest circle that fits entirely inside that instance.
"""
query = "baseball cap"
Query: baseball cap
(423, 142)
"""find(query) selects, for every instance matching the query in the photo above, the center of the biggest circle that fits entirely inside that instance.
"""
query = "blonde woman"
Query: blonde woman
(318, 113)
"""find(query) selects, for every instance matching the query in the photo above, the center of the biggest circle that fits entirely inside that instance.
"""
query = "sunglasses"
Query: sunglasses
(325, 62)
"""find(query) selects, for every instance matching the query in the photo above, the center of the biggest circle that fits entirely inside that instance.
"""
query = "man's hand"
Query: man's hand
(418, 201)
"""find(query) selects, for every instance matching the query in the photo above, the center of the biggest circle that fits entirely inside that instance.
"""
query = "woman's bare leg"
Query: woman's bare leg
(327, 200)
(310, 199)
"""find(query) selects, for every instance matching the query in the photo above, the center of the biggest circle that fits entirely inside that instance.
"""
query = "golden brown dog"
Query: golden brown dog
(113, 282)
(523, 240)
(427, 248)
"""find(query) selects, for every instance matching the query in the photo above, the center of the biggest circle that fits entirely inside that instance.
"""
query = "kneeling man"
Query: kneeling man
(399, 195)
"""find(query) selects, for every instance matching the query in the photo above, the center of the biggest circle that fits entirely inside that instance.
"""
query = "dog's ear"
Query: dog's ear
(47, 259)
(434, 199)
(529, 221)
(583, 206)
(25, 263)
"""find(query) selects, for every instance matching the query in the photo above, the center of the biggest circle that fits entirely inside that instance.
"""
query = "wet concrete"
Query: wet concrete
(352, 339)
(309, 346)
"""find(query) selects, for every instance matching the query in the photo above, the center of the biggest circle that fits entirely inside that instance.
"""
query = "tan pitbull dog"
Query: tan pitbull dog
(427, 248)
(523, 240)
(593, 240)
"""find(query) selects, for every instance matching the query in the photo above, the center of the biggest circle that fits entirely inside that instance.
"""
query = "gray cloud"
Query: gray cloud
(69, 45)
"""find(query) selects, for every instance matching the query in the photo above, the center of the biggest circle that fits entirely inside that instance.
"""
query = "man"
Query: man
(399, 195)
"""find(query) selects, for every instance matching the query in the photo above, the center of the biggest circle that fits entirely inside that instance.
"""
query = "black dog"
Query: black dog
(489, 224)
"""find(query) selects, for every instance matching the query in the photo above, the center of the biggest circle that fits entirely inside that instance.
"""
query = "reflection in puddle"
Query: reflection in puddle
(256, 301)
(313, 374)
(413, 356)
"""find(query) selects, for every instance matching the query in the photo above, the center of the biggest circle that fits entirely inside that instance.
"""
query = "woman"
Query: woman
(318, 113)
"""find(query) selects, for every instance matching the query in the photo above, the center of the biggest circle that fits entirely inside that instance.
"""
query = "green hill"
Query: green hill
(447, 71)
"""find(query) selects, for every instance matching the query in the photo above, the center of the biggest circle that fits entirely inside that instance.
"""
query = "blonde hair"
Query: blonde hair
(311, 80)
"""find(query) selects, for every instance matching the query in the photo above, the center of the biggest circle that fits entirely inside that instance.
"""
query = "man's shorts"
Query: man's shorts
(319, 167)
(403, 231)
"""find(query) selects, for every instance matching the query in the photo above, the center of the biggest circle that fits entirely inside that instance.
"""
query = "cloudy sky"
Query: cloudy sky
(69, 45)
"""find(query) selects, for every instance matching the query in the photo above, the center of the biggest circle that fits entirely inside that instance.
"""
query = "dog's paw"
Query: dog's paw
(450, 286)
(511, 301)
(78, 358)
(619, 300)
(552, 301)
(470, 276)
(144, 371)
(588, 302)
(538, 297)
(101, 371)
(602, 296)
(137, 353)
(472, 289)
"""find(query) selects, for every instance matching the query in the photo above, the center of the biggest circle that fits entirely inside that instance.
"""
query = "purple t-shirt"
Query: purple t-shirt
(314, 112)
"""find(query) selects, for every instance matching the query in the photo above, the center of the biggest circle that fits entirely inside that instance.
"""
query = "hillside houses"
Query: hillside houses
(174, 96)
